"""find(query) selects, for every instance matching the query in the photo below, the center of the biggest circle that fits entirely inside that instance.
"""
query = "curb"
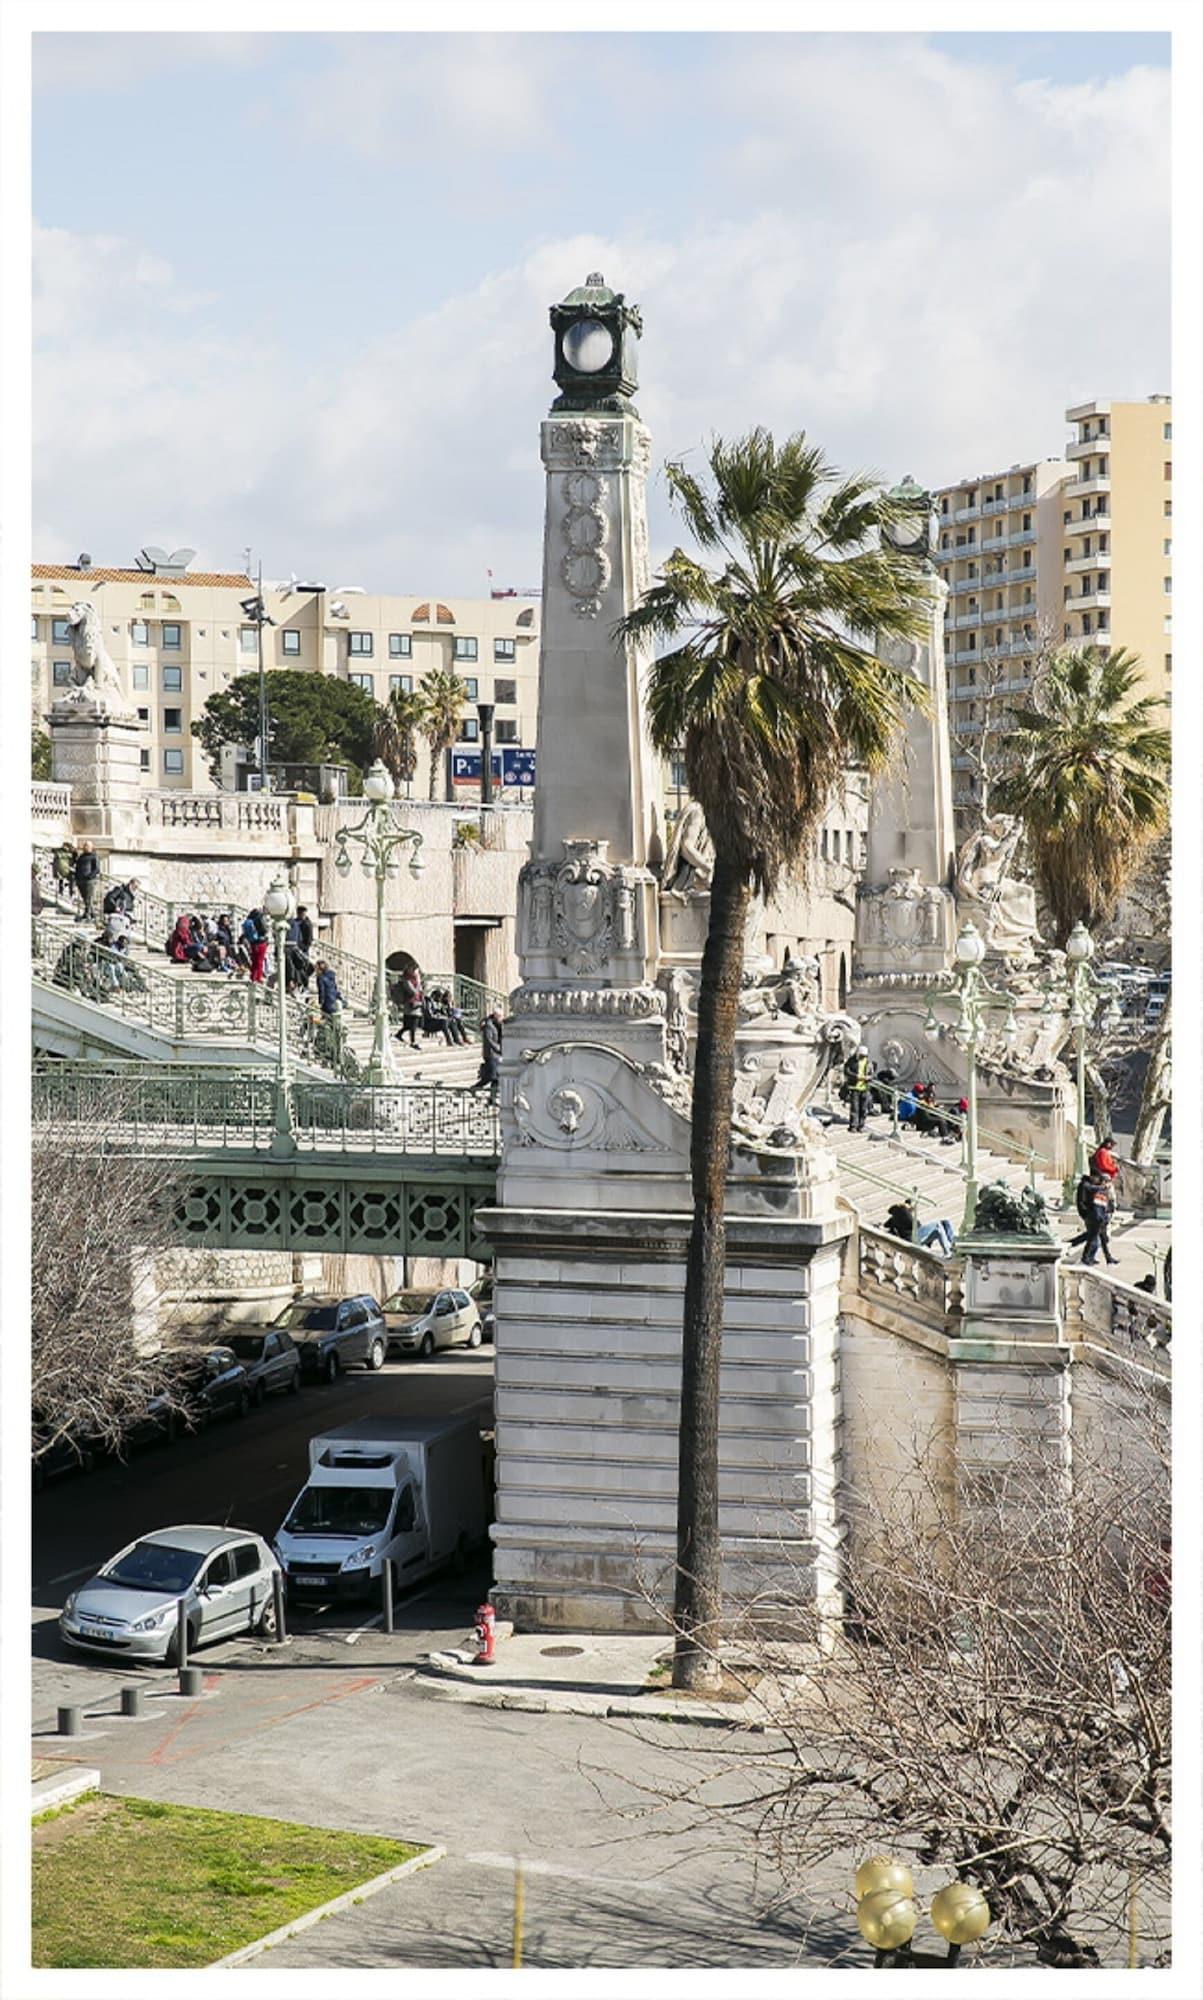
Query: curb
(359, 1894)
(60, 1791)
(567, 1701)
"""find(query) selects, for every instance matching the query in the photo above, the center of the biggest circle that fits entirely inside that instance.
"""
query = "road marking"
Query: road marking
(89, 1569)
(353, 1638)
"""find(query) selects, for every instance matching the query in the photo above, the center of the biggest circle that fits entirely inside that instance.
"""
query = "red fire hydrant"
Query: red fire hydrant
(486, 1636)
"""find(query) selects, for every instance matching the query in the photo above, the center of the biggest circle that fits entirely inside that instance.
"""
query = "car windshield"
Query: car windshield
(156, 1566)
(247, 1346)
(305, 1313)
(340, 1510)
(408, 1302)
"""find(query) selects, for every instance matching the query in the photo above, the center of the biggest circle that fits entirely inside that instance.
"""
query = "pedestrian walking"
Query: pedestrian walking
(254, 932)
(329, 999)
(412, 1005)
(490, 1062)
(1098, 1205)
(858, 1072)
(1103, 1161)
(87, 874)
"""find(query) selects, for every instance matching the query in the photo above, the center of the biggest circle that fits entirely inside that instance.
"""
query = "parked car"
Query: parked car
(270, 1358)
(333, 1334)
(418, 1322)
(198, 1384)
(129, 1607)
(482, 1295)
(71, 1451)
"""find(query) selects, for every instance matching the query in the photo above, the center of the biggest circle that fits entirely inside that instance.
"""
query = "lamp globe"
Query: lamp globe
(960, 1912)
(378, 785)
(1079, 945)
(879, 1872)
(971, 949)
(277, 903)
(886, 1919)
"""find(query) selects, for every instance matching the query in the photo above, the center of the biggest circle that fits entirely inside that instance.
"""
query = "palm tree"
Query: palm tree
(443, 697)
(1090, 781)
(772, 688)
(395, 740)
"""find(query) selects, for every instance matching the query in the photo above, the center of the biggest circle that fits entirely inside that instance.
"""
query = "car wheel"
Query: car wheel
(265, 1624)
(427, 1347)
(171, 1657)
(376, 1354)
(474, 1338)
(331, 1369)
(294, 1382)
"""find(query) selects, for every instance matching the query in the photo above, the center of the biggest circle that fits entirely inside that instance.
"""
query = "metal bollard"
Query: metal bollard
(181, 1634)
(278, 1604)
(386, 1595)
(131, 1701)
(69, 1720)
(192, 1680)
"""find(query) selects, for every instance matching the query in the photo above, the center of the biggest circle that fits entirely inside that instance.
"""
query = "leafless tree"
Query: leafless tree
(995, 1705)
(979, 722)
(99, 1214)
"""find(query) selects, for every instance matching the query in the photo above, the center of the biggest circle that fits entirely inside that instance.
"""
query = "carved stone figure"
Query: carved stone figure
(1000, 1212)
(92, 662)
(1003, 908)
(689, 869)
(540, 913)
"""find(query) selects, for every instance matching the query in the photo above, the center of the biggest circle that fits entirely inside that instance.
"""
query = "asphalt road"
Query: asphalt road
(244, 1470)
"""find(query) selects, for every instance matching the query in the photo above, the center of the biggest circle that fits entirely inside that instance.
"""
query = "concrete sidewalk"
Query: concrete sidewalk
(608, 1673)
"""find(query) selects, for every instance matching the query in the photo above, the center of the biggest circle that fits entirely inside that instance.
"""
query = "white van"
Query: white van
(410, 1493)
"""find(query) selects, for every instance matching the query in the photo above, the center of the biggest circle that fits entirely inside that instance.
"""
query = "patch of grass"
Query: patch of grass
(132, 1882)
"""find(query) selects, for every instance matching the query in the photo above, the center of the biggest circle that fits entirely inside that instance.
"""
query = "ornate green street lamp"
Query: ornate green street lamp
(278, 907)
(1083, 992)
(977, 1002)
(379, 841)
(886, 1915)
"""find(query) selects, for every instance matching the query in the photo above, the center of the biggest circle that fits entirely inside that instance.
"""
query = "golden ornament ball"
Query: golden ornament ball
(960, 1912)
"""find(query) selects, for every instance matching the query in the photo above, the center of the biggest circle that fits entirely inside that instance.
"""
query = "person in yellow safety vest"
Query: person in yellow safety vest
(859, 1072)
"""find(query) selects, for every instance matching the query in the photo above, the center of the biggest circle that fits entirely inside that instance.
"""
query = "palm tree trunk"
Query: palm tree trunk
(434, 770)
(698, 1606)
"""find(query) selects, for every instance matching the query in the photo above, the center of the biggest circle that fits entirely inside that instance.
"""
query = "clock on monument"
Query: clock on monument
(913, 531)
(597, 339)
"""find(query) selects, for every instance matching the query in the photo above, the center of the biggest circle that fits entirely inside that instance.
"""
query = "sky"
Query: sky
(291, 290)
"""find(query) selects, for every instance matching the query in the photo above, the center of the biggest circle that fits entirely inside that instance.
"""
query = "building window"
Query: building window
(1027, 522)
(60, 631)
(469, 730)
(62, 673)
(504, 649)
(400, 645)
(1085, 623)
(141, 677)
(677, 775)
(139, 632)
(359, 643)
(290, 644)
(144, 717)
(506, 732)
(1168, 510)
(473, 687)
(173, 763)
(1169, 663)
(463, 649)
(1167, 547)
(971, 677)
(33, 628)
(144, 760)
(1169, 468)
(173, 680)
(526, 618)
(363, 681)
(1167, 584)
(400, 683)
(1167, 432)
(506, 692)
(173, 721)
(171, 637)
(1167, 624)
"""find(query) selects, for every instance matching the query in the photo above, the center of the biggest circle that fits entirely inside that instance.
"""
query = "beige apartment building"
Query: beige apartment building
(1057, 551)
(177, 636)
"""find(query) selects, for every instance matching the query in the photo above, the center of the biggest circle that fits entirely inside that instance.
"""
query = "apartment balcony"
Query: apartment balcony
(1088, 524)
(966, 656)
(964, 584)
(993, 542)
(967, 619)
(1022, 575)
(1022, 538)
(1079, 565)
(1099, 482)
(1085, 600)
(968, 513)
(1021, 499)
(1085, 447)
(994, 507)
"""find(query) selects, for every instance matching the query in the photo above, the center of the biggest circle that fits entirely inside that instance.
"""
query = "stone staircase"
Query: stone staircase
(878, 1169)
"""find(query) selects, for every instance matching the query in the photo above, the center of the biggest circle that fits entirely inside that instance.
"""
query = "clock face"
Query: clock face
(588, 346)
(908, 532)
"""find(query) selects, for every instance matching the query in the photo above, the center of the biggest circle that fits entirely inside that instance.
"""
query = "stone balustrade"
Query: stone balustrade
(50, 802)
(222, 812)
(1130, 1323)
(912, 1281)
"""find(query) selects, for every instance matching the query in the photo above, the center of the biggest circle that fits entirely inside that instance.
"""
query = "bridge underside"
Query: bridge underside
(403, 1208)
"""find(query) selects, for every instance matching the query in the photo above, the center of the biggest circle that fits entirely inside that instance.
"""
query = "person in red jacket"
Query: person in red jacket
(1103, 1161)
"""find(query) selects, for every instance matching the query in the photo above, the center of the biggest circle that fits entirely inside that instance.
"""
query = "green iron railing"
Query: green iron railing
(173, 1105)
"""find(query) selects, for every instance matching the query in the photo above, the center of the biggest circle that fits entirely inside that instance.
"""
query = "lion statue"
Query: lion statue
(1002, 1212)
(93, 663)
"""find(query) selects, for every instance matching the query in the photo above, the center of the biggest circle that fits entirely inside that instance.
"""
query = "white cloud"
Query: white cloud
(917, 261)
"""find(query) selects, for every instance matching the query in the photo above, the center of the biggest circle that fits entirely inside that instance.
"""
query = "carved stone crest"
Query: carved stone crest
(584, 927)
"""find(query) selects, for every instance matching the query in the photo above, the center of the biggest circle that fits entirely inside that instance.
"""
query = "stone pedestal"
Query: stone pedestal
(97, 753)
(1011, 1377)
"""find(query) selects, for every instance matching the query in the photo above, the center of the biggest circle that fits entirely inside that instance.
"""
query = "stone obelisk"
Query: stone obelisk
(593, 1210)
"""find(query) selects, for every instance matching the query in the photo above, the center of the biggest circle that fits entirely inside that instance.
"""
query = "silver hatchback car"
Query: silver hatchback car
(418, 1322)
(130, 1607)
